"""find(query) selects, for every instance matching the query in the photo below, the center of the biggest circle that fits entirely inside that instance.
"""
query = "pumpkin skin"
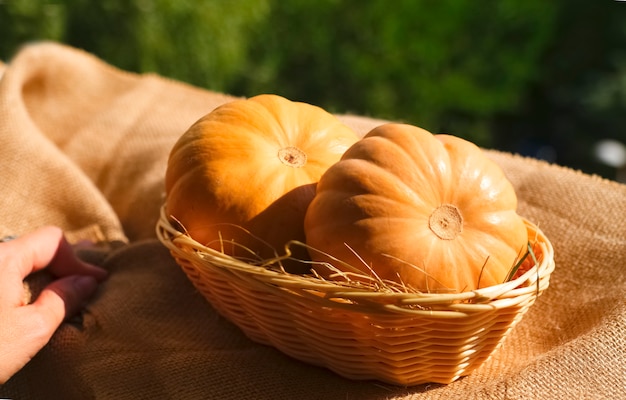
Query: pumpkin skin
(431, 212)
(246, 172)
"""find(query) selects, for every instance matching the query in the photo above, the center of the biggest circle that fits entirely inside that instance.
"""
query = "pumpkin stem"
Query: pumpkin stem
(292, 156)
(446, 222)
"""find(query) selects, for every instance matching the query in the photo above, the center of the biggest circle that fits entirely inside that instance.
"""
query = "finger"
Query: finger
(33, 251)
(66, 263)
(61, 299)
(32, 326)
(47, 246)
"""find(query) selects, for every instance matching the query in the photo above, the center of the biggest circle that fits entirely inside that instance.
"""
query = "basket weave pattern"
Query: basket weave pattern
(397, 338)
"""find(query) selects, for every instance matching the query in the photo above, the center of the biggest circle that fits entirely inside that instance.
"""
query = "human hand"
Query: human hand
(26, 328)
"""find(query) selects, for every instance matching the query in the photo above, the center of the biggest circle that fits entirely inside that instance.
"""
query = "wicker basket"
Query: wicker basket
(396, 338)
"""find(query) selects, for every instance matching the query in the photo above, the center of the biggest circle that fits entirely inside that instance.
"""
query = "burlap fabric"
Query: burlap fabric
(84, 146)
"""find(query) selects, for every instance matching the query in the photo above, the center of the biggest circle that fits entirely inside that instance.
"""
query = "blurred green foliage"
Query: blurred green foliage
(201, 42)
(444, 65)
(543, 78)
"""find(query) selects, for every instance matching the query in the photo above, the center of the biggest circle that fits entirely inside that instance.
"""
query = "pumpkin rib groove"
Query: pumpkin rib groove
(347, 176)
(396, 155)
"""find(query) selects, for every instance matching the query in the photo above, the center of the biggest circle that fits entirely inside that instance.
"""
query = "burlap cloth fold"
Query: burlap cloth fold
(84, 146)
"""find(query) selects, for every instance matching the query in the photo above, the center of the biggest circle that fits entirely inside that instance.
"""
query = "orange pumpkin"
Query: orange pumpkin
(429, 211)
(240, 179)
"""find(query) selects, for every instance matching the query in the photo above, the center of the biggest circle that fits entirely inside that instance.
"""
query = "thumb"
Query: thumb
(63, 298)
(59, 300)
(37, 322)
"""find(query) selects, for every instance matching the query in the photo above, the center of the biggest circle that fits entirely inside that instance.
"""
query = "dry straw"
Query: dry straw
(362, 331)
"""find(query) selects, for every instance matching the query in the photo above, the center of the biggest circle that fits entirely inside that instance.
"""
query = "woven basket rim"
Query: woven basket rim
(531, 283)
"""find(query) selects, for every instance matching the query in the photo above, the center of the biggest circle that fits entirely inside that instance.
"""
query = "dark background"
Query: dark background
(545, 79)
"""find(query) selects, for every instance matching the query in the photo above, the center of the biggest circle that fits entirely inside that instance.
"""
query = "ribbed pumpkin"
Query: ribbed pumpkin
(240, 179)
(429, 211)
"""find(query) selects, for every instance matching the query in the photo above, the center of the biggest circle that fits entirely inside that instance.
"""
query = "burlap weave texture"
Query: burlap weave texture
(84, 146)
